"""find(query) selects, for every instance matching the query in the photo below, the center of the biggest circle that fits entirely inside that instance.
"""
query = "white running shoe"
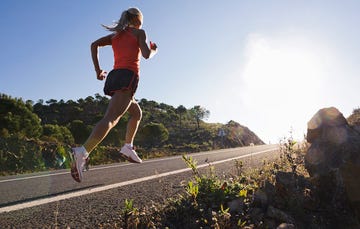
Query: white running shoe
(78, 163)
(129, 154)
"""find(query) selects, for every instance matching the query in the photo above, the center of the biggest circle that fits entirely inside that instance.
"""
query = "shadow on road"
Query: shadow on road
(48, 196)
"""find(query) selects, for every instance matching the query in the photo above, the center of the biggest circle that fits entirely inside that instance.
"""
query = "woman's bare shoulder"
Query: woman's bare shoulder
(139, 33)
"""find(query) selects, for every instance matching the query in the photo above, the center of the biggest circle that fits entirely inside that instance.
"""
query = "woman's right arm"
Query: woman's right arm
(100, 74)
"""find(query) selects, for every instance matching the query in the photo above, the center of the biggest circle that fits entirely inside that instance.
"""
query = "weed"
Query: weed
(193, 190)
(239, 167)
(191, 163)
(130, 214)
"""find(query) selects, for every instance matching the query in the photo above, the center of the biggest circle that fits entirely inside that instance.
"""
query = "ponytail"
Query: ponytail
(124, 20)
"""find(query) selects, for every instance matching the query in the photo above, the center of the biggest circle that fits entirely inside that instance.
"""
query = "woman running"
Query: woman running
(128, 42)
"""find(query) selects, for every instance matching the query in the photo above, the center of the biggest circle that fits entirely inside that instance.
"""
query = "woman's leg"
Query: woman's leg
(133, 123)
(127, 150)
(119, 104)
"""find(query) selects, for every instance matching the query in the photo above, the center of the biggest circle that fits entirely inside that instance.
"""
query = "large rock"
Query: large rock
(333, 142)
(334, 153)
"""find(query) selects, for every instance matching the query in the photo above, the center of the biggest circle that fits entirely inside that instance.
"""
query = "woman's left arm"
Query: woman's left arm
(145, 50)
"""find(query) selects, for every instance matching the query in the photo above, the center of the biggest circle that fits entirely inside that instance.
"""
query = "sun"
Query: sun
(282, 67)
(283, 78)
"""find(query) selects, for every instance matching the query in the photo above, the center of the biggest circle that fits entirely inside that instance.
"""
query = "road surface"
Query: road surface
(54, 199)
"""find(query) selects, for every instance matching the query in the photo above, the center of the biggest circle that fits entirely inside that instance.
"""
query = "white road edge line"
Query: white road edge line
(112, 186)
(111, 166)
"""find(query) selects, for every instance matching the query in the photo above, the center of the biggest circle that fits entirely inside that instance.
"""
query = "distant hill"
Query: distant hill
(184, 126)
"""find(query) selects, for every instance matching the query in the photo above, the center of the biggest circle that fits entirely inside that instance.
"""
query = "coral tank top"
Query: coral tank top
(126, 51)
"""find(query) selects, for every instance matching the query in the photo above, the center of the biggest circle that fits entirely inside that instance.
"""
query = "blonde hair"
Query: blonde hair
(126, 19)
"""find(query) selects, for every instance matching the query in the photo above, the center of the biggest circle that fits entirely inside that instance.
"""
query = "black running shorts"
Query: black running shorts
(121, 80)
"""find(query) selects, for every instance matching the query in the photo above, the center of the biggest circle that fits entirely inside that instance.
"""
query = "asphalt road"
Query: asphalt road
(54, 199)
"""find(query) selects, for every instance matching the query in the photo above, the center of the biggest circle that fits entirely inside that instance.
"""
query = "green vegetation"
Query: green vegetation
(36, 136)
(275, 193)
(354, 118)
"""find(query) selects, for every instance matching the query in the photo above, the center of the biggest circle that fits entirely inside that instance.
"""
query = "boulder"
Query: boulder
(334, 153)
(333, 142)
(327, 124)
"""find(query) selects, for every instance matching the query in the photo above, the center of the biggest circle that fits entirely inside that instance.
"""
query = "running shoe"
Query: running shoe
(129, 154)
(77, 165)
(87, 164)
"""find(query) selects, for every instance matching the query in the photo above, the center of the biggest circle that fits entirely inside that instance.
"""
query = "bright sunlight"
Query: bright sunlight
(283, 77)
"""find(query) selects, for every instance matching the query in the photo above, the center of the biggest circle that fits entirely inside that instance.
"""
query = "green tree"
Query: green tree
(180, 110)
(200, 113)
(18, 117)
(153, 134)
(354, 118)
(79, 130)
(59, 133)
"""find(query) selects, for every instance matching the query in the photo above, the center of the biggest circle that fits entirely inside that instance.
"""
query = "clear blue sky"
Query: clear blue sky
(269, 65)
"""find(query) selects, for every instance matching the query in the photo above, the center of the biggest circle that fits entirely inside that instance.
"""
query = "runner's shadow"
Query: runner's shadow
(48, 196)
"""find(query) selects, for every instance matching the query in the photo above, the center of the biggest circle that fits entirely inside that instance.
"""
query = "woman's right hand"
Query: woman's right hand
(101, 74)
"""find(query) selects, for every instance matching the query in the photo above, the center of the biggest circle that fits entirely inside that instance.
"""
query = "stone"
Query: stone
(286, 226)
(279, 215)
(333, 142)
(350, 176)
(257, 215)
(260, 198)
(333, 158)
(236, 205)
(285, 184)
(322, 120)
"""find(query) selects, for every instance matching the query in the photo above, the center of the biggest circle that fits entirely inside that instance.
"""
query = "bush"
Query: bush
(16, 117)
(57, 133)
(18, 155)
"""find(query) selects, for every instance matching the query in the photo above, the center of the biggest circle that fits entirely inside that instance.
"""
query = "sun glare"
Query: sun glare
(285, 69)
(282, 77)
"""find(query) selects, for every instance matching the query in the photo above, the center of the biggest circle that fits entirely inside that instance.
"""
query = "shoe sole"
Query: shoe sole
(74, 171)
(129, 159)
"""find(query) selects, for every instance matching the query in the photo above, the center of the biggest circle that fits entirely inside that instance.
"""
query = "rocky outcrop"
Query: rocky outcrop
(333, 158)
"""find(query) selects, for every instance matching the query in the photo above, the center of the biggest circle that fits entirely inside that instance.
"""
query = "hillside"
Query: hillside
(50, 127)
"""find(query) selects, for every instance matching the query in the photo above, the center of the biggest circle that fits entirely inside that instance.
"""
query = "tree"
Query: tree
(51, 101)
(59, 133)
(354, 118)
(180, 110)
(153, 134)
(16, 117)
(79, 130)
(199, 114)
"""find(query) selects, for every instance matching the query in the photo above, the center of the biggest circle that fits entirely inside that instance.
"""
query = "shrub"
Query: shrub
(18, 154)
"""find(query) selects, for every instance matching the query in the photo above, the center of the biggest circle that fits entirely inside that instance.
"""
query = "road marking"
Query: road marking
(58, 173)
(117, 185)
(114, 166)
